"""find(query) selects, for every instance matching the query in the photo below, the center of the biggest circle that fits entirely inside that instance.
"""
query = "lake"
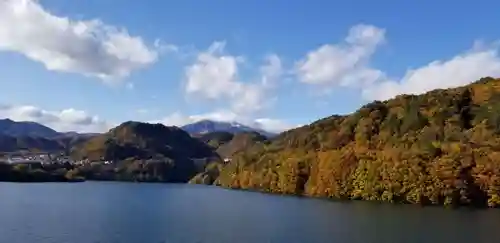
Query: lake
(110, 212)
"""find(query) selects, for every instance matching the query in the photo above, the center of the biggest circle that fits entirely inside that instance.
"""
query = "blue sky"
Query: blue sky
(87, 65)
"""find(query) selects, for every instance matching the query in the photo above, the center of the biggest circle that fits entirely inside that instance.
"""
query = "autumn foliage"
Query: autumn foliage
(442, 147)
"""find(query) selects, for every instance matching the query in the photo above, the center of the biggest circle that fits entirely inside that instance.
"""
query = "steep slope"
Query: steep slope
(216, 139)
(69, 140)
(240, 142)
(441, 147)
(24, 129)
(167, 153)
(228, 143)
(208, 126)
(11, 144)
(16, 136)
(227, 146)
(34, 143)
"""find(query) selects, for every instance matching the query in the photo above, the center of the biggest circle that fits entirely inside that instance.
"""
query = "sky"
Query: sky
(89, 65)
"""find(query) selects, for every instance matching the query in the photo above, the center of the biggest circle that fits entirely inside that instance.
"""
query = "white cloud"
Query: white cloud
(178, 119)
(266, 124)
(174, 119)
(347, 64)
(459, 70)
(344, 63)
(272, 125)
(62, 121)
(220, 115)
(272, 70)
(87, 47)
(215, 76)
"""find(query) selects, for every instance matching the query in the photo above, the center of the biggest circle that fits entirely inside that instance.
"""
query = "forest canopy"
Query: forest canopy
(441, 147)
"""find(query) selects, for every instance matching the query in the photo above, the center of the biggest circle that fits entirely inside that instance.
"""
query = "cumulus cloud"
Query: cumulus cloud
(344, 63)
(62, 121)
(456, 71)
(348, 64)
(215, 76)
(88, 47)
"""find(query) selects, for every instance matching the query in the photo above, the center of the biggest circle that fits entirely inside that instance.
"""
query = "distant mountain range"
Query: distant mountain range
(16, 129)
(26, 135)
(208, 126)
(12, 128)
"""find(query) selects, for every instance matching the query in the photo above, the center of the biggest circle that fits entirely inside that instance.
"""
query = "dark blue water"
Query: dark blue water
(125, 212)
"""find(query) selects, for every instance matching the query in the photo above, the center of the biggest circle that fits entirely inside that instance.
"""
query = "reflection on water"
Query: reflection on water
(126, 212)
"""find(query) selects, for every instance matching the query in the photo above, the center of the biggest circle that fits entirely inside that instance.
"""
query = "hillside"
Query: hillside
(70, 140)
(440, 148)
(25, 129)
(150, 152)
(60, 143)
(227, 144)
(208, 126)
(11, 144)
(20, 135)
(240, 142)
(215, 139)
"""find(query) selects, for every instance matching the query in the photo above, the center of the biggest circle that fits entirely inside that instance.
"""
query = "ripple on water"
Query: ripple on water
(111, 212)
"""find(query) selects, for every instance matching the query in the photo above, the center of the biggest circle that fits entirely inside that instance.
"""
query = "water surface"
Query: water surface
(111, 212)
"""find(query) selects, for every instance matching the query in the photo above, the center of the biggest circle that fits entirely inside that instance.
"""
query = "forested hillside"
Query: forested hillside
(442, 147)
(143, 152)
(25, 129)
(227, 144)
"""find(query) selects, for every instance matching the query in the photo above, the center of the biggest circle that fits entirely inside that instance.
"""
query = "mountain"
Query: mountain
(33, 136)
(439, 148)
(34, 143)
(12, 144)
(155, 151)
(227, 144)
(216, 139)
(33, 129)
(208, 126)
(240, 142)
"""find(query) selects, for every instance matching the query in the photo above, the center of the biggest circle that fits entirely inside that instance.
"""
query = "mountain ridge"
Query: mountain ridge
(26, 128)
(208, 126)
(145, 152)
(227, 144)
(437, 148)
(28, 135)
